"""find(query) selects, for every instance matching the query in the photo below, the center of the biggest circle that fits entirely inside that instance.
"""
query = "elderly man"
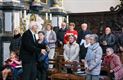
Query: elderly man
(61, 33)
(28, 52)
(83, 31)
(108, 39)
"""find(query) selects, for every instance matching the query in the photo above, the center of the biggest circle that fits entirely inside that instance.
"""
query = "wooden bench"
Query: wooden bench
(62, 75)
(65, 76)
(53, 70)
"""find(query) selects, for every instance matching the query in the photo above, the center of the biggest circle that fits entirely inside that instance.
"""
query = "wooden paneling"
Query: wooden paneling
(97, 21)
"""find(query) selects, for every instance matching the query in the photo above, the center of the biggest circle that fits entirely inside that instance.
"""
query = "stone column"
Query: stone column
(58, 13)
(10, 10)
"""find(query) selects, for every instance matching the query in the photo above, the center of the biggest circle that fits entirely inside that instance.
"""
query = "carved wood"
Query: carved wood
(97, 21)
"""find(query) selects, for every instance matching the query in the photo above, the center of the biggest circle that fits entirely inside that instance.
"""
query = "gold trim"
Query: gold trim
(44, 1)
(32, 17)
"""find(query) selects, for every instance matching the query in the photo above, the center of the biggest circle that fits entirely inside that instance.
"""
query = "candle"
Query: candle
(67, 19)
(46, 16)
(24, 13)
(50, 16)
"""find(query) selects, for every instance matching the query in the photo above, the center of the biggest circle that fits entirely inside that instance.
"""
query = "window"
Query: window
(6, 52)
(8, 21)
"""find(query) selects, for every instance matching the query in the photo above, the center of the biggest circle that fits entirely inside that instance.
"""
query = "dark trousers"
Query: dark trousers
(29, 71)
(42, 75)
(111, 76)
(17, 72)
(69, 71)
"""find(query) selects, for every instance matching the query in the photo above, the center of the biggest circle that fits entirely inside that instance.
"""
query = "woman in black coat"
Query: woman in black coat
(16, 41)
(84, 44)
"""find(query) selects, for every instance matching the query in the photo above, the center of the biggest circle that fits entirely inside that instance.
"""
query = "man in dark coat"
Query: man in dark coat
(60, 37)
(108, 39)
(83, 31)
(120, 41)
(60, 34)
(28, 52)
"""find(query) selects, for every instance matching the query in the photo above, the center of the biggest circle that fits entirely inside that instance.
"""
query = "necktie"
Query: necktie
(34, 37)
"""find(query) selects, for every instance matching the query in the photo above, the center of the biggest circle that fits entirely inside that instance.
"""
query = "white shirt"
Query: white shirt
(85, 43)
(48, 34)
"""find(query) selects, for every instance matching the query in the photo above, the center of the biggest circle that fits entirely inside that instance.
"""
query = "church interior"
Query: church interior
(97, 14)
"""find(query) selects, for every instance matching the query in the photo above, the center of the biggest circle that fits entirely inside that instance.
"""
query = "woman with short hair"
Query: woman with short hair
(71, 51)
(16, 41)
(51, 39)
(84, 44)
(112, 61)
(93, 59)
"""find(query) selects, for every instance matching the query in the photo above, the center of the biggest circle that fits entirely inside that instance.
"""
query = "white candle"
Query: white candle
(24, 13)
(50, 16)
(46, 16)
(67, 19)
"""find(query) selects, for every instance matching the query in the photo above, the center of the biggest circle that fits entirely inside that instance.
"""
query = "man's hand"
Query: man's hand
(104, 43)
(87, 69)
(43, 51)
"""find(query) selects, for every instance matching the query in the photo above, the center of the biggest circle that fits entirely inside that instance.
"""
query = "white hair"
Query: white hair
(111, 49)
(87, 35)
(32, 24)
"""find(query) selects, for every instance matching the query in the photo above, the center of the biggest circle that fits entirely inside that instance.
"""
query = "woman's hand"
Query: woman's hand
(67, 60)
(43, 51)
(111, 71)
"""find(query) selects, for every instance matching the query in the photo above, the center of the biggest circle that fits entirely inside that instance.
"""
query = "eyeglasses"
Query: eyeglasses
(107, 51)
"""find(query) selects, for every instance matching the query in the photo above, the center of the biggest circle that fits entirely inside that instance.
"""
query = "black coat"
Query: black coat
(110, 39)
(120, 40)
(15, 43)
(60, 34)
(28, 48)
(81, 35)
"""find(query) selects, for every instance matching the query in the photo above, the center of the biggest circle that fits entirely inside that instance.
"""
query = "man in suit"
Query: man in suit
(28, 52)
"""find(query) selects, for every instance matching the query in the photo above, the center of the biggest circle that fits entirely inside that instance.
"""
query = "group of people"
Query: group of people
(32, 54)
(84, 46)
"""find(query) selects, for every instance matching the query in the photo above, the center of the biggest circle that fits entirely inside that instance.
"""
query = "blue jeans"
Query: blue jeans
(92, 77)
(16, 73)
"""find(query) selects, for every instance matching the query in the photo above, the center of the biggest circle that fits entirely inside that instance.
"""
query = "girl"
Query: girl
(10, 65)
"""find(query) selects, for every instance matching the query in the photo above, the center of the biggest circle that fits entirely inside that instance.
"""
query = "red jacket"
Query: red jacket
(115, 64)
(68, 32)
